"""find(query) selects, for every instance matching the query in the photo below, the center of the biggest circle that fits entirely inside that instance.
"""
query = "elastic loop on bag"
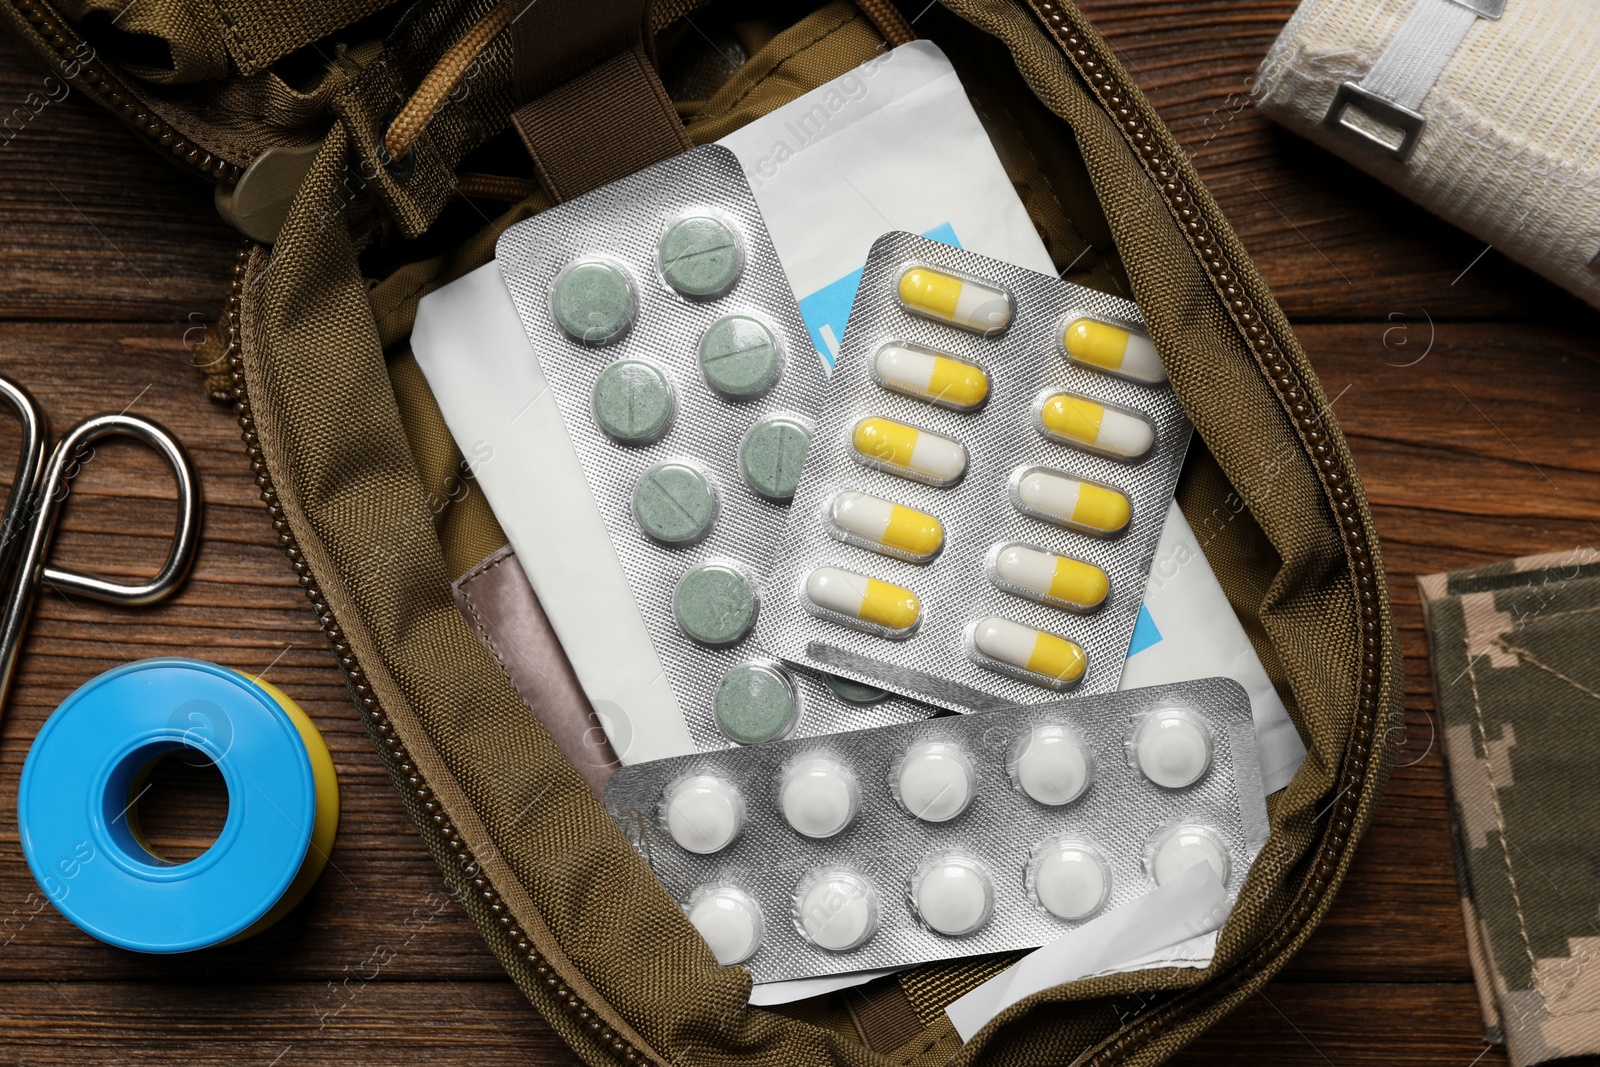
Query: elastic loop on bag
(608, 122)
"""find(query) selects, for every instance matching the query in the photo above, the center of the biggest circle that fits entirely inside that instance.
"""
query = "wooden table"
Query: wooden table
(1467, 387)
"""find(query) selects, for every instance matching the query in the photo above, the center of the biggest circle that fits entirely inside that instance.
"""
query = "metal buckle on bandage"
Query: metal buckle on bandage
(1390, 114)
(1391, 94)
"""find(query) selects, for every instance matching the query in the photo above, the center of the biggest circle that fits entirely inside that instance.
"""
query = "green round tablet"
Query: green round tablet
(754, 703)
(852, 691)
(772, 454)
(700, 256)
(739, 357)
(633, 401)
(715, 604)
(593, 301)
(674, 503)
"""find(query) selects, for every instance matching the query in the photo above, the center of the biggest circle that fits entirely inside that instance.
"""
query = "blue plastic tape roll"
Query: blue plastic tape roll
(76, 793)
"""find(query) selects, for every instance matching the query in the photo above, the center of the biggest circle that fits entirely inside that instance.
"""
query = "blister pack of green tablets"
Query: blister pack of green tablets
(667, 332)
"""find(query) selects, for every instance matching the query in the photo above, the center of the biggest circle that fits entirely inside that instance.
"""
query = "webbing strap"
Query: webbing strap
(604, 124)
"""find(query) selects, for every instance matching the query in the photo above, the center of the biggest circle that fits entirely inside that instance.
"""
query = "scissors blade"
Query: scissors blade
(30, 459)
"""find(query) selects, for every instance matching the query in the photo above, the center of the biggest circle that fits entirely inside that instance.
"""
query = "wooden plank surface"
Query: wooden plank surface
(93, 225)
(1470, 400)
(439, 1023)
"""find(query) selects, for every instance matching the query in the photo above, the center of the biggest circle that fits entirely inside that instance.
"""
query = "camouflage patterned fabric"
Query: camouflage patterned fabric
(1516, 672)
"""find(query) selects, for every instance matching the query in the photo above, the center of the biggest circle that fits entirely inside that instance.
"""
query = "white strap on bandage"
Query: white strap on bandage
(1383, 110)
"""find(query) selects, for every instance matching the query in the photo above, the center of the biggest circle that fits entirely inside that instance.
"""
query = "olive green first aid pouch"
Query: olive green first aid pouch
(364, 147)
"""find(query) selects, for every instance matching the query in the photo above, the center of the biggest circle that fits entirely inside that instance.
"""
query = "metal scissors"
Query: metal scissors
(35, 502)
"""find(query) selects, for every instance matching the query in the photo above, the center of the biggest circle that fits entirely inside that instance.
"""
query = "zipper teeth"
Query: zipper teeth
(377, 720)
(66, 43)
(1063, 23)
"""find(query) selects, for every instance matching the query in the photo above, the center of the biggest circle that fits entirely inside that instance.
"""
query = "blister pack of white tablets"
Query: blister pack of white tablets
(985, 486)
(953, 836)
(669, 337)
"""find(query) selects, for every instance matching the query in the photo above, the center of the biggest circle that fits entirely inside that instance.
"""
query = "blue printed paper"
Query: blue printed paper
(1145, 632)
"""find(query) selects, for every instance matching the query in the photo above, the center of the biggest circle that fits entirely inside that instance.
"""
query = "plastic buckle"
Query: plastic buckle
(1408, 122)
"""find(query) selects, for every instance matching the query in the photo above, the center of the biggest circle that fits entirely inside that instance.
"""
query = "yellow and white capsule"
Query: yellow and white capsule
(879, 606)
(938, 379)
(1115, 349)
(1043, 658)
(1061, 498)
(1045, 576)
(955, 300)
(1078, 421)
(909, 452)
(887, 527)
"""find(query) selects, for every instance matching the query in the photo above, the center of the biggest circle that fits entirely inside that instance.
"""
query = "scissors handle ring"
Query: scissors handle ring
(31, 517)
(186, 534)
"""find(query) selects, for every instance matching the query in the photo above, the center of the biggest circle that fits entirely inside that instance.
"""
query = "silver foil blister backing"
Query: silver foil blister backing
(622, 223)
(1001, 438)
(1119, 814)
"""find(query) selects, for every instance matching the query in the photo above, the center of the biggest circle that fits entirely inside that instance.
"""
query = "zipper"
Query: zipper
(1079, 44)
(402, 768)
(71, 50)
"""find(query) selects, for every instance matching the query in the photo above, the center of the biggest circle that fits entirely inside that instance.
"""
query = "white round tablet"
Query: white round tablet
(818, 796)
(1173, 748)
(1184, 847)
(703, 813)
(934, 781)
(1069, 879)
(837, 909)
(953, 893)
(1051, 766)
(730, 921)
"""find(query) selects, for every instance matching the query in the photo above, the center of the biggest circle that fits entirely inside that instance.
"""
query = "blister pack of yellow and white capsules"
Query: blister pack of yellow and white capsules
(666, 330)
(955, 836)
(985, 487)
